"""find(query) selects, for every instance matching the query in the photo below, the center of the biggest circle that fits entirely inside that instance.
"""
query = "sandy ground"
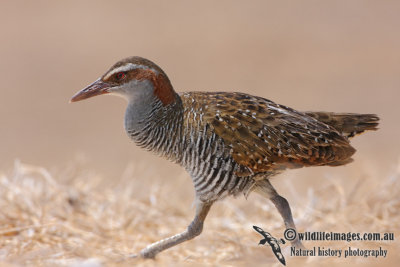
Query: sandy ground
(84, 194)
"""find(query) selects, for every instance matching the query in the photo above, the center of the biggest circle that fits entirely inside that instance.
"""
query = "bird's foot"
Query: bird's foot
(144, 254)
(148, 254)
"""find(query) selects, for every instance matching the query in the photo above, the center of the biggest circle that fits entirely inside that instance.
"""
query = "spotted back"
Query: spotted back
(264, 136)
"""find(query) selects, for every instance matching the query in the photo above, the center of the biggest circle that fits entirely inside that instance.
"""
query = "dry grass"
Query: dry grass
(74, 218)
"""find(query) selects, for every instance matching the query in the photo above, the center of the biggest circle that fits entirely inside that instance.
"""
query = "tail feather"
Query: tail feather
(348, 124)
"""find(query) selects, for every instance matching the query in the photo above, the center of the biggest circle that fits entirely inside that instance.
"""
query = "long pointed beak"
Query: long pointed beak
(97, 88)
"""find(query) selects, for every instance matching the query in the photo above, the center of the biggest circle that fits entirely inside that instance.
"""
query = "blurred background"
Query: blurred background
(338, 56)
(341, 56)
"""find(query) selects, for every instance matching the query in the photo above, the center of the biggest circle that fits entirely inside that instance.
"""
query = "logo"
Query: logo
(272, 242)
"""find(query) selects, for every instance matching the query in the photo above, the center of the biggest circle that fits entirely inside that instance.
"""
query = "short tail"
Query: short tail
(348, 124)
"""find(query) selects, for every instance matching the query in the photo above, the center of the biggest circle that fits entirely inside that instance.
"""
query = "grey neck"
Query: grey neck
(156, 127)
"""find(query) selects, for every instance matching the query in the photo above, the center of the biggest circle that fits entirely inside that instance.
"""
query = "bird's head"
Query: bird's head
(133, 78)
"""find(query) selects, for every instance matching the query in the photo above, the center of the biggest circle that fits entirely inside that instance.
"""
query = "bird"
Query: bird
(230, 143)
(273, 242)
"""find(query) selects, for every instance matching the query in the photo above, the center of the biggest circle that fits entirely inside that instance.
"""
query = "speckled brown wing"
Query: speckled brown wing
(264, 136)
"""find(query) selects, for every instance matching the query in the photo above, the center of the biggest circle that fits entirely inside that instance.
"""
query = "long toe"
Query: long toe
(146, 254)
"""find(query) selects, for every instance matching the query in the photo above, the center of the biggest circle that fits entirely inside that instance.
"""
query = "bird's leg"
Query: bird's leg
(284, 209)
(193, 230)
(265, 189)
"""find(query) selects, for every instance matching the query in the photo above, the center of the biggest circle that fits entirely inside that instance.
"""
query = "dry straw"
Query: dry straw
(75, 218)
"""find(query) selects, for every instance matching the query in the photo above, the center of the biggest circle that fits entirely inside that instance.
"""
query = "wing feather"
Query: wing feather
(264, 136)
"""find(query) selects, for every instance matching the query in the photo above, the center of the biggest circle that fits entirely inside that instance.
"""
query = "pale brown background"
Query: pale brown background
(315, 55)
(341, 56)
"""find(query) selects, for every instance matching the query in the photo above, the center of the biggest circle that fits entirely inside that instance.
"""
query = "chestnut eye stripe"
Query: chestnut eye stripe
(126, 68)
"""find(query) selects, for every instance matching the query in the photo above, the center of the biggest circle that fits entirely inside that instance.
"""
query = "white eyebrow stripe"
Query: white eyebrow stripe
(127, 67)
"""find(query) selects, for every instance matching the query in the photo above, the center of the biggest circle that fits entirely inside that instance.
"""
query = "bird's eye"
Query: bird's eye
(120, 75)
